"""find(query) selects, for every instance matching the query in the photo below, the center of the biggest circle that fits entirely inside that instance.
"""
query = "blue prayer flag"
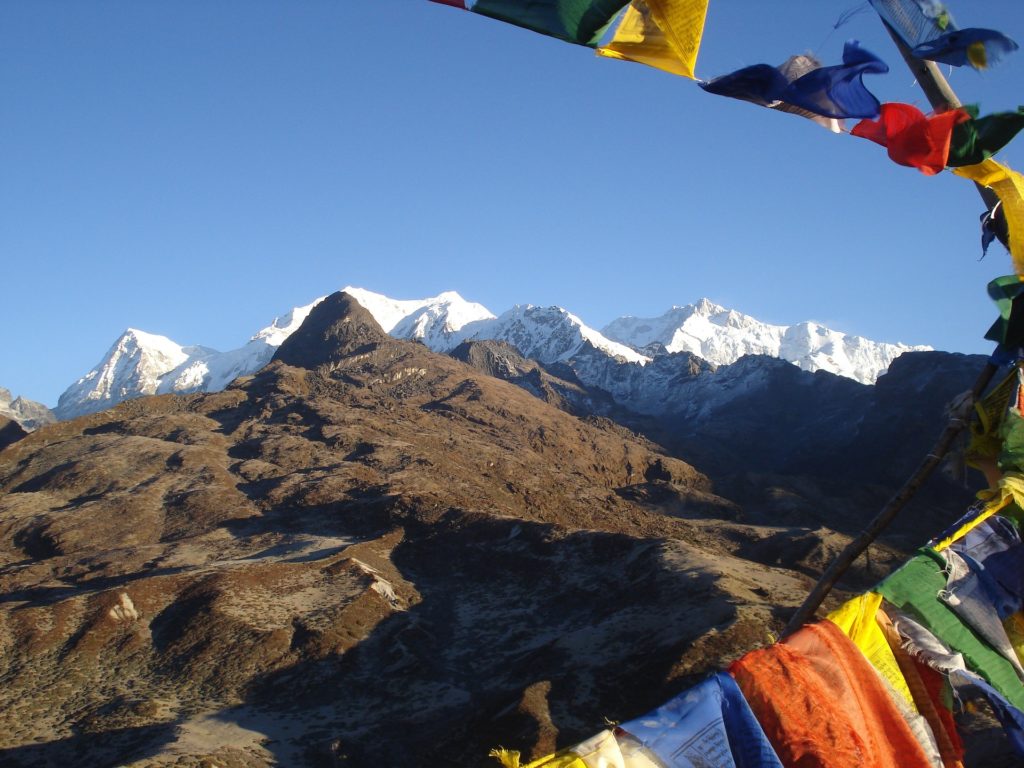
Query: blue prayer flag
(710, 724)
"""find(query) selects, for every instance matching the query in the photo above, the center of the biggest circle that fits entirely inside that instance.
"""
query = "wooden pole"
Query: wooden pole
(940, 96)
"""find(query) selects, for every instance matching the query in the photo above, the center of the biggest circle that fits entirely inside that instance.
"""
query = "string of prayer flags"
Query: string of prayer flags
(664, 34)
(867, 686)
(912, 138)
(821, 703)
(710, 724)
(915, 588)
(576, 21)
(1009, 187)
(979, 48)
(922, 643)
(977, 139)
(835, 92)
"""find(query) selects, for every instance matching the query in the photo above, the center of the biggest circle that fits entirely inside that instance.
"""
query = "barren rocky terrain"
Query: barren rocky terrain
(368, 554)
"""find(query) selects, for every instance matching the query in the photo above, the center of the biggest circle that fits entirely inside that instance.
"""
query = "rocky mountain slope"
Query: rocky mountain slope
(365, 554)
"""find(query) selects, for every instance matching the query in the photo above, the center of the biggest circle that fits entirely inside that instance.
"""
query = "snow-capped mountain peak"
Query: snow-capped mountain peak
(550, 334)
(133, 366)
(704, 306)
(284, 326)
(441, 322)
(722, 336)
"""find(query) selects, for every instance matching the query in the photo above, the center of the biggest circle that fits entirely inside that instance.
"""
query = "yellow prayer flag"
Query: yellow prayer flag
(511, 759)
(664, 34)
(1009, 186)
(638, 38)
(1011, 489)
(857, 620)
(1014, 626)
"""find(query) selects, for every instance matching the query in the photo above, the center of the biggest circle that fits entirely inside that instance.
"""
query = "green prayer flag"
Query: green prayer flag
(915, 588)
(576, 21)
(1011, 432)
(1008, 294)
(980, 138)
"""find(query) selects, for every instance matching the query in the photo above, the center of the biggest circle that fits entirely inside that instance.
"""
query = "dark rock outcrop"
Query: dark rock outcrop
(337, 327)
(10, 432)
(555, 385)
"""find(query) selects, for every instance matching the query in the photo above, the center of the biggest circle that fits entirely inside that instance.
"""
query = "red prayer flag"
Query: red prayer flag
(912, 138)
(823, 705)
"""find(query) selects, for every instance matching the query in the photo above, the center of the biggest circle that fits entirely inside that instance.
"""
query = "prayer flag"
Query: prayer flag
(664, 34)
(979, 138)
(977, 47)
(915, 21)
(512, 759)
(856, 618)
(967, 595)
(836, 91)
(911, 138)
(1009, 186)
(600, 751)
(821, 704)
(575, 21)
(710, 724)
(927, 687)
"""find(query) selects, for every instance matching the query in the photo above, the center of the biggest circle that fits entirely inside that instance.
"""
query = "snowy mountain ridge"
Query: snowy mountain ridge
(614, 359)
(722, 336)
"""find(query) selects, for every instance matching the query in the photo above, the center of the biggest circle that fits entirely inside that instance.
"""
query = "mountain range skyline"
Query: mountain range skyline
(140, 362)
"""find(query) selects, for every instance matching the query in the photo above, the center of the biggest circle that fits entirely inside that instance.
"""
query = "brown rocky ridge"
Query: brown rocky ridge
(365, 554)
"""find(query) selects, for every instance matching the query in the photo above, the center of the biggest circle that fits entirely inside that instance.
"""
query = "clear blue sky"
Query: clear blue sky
(193, 168)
